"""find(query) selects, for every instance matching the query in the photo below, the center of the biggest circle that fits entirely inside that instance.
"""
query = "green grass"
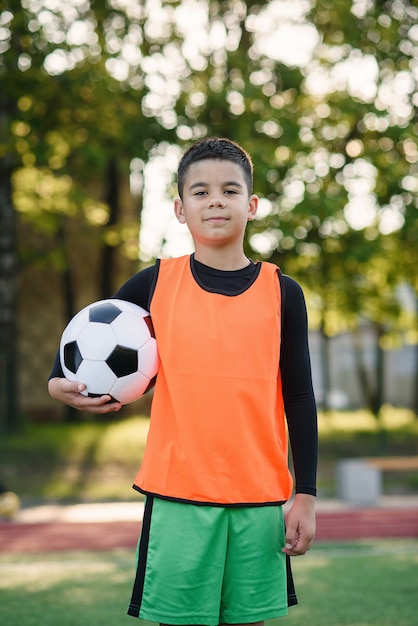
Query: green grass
(349, 434)
(68, 589)
(67, 462)
(369, 583)
(357, 584)
(97, 460)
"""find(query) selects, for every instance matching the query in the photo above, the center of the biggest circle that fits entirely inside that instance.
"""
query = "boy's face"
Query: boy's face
(216, 205)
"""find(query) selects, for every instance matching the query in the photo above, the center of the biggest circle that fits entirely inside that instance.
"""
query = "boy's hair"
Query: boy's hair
(215, 148)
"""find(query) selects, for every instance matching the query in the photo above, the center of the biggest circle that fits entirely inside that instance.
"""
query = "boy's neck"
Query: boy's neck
(222, 260)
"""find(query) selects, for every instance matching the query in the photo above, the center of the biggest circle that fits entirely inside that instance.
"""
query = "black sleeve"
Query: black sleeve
(138, 289)
(298, 395)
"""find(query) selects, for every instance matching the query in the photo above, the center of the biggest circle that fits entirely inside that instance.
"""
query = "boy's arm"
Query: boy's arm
(301, 417)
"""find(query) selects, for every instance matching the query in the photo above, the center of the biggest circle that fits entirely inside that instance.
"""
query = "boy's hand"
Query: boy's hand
(300, 525)
(70, 393)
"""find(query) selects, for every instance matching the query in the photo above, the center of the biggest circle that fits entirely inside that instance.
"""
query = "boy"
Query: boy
(232, 338)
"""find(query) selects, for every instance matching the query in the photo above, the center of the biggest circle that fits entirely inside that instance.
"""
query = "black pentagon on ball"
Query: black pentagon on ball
(123, 361)
(104, 313)
(151, 384)
(72, 356)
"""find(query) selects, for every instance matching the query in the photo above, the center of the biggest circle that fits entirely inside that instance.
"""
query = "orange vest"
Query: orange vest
(217, 429)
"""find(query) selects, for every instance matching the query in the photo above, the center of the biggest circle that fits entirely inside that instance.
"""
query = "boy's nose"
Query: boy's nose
(216, 201)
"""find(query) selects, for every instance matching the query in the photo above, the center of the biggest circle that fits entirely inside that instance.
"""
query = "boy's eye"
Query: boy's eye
(199, 193)
(230, 191)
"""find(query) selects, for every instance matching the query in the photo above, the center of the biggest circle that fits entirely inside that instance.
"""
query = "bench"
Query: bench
(394, 463)
(359, 481)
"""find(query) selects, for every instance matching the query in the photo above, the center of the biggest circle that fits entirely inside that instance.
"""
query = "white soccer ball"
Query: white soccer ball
(110, 347)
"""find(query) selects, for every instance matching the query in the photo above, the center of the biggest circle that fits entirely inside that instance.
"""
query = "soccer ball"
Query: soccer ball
(110, 347)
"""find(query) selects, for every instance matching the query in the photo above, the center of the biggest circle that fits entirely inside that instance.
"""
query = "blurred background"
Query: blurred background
(98, 99)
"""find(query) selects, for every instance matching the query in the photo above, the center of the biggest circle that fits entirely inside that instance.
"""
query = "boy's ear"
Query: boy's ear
(178, 211)
(252, 207)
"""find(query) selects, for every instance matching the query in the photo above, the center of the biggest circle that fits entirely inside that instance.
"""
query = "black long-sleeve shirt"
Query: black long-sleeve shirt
(295, 367)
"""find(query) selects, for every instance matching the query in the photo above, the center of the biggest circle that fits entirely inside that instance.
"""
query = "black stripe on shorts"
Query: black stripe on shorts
(138, 588)
(291, 593)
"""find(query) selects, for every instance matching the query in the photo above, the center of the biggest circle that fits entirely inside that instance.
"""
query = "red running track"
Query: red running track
(62, 536)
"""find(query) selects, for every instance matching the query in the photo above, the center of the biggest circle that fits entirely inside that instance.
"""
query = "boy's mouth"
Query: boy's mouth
(216, 218)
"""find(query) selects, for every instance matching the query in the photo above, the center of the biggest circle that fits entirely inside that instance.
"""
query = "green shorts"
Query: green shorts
(210, 565)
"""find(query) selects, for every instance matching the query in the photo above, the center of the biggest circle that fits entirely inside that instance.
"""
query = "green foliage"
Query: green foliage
(350, 136)
(91, 460)
(86, 89)
(75, 106)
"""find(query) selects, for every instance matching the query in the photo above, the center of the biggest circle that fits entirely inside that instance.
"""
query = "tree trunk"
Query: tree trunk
(415, 391)
(70, 414)
(372, 386)
(379, 370)
(362, 373)
(325, 369)
(66, 275)
(108, 254)
(9, 414)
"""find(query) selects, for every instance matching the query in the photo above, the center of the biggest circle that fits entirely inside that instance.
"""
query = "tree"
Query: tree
(370, 123)
(97, 87)
(71, 126)
(332, 142)
(8, 281)
(352, 181)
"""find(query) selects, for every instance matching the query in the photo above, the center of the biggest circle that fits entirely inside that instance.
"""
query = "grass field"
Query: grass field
(369, 583)
(97, 460)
